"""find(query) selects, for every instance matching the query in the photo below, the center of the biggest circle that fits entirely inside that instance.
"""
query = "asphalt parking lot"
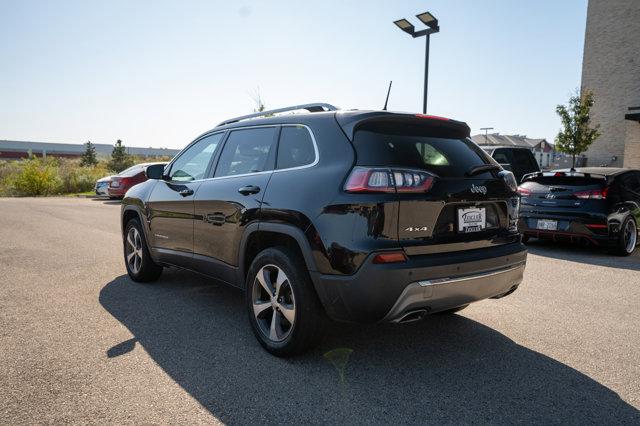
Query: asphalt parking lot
(81, 343)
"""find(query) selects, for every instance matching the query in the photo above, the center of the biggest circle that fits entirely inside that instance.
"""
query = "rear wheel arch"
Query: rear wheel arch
(260, 236)
(129, 214)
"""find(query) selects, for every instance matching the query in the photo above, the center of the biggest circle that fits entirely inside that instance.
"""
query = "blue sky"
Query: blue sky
(160, 73)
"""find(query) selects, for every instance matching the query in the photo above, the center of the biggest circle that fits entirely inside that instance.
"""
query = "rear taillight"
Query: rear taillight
(524, 192)
(509, 179)
(594, 194)
(375, 179)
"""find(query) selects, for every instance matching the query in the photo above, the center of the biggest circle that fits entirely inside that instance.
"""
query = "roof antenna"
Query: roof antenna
(387, 100)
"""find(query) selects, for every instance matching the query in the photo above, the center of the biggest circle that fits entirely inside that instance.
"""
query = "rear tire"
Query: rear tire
(626, 242)
(137, 259)
(284, 311)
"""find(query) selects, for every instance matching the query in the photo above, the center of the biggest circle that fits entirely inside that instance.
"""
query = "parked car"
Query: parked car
(102, 185)
(519, 160)
(362, 216)
(120, 184)
(599, 205)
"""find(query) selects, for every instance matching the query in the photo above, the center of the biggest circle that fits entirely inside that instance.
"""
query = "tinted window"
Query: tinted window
(445, 157)
(295, 148)
(524, 160)
(501, 157)
(632, 181)
(192, 164)
(247, 151)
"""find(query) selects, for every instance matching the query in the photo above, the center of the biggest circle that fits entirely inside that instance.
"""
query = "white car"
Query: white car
(102, 185)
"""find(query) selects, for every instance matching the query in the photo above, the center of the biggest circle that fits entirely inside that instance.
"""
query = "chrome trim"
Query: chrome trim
(441, 281)
(441, 294)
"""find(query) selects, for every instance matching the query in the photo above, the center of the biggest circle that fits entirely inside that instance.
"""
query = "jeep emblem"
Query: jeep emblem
(479, 189)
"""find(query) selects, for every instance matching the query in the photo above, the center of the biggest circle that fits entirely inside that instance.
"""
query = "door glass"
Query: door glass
(247, 151)
(501, 157)
(295, 148)
(192, 163)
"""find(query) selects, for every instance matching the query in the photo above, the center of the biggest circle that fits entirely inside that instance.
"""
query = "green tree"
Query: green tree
(120, 159)
(89, 157)
(576, 134)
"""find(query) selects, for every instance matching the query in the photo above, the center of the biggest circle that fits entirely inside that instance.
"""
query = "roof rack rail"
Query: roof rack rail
(315, 107)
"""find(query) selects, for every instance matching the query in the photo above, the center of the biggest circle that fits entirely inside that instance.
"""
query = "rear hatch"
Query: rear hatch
(564, 195)
(450, 193)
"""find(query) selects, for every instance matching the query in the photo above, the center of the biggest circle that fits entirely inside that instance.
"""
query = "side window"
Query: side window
(296, 147)
(501, 157)
(631, 181)
(192, 164)
(247, 151)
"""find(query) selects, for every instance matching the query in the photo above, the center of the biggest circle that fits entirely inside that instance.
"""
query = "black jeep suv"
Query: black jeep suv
(358, 215)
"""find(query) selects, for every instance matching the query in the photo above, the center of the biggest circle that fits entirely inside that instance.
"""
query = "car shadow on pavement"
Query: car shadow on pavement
(444, 369)
(584, 254)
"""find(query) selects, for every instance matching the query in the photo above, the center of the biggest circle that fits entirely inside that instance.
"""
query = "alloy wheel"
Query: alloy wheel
(273, 302)
(134, 250)
(630, 236)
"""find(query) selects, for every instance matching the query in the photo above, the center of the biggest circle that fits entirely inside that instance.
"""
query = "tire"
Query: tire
(140, 265)
(284, 311)
(452, 311)
(626, 242)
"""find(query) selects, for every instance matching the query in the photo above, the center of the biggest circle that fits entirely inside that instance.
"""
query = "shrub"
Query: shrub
(36, 177)
(75, 178)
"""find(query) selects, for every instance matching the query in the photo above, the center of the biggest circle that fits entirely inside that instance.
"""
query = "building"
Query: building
(12, 150)
(542, 150)
(611, 70)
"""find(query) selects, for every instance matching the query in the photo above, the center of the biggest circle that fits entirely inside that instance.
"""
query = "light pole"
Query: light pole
(430, 21)
(486, 129)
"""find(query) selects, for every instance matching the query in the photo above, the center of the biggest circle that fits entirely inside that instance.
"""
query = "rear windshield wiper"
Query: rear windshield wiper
(475, 170)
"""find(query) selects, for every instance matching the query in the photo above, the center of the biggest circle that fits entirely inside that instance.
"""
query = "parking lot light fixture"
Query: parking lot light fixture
(405, 26)
(428, 19)
(431, 22)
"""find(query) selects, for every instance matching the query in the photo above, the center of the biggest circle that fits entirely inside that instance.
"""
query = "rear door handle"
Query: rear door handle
(249, 189)
(186, 192)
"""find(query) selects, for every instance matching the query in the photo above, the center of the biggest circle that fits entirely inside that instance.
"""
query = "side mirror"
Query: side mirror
(155, 171)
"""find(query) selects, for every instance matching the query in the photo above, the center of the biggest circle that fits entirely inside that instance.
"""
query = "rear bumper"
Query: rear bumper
(116, 192)
(446, 293)
(569, 229)
(432, 283)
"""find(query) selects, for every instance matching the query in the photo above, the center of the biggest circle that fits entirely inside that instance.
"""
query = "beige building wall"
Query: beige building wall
(611, 69)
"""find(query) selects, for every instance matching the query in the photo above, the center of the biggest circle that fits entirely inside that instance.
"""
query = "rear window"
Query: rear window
(442, 156)
(131, 171)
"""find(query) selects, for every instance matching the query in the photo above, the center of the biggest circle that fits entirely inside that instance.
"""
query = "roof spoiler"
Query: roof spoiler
(314, 107)
(571, 173)
(350, 121)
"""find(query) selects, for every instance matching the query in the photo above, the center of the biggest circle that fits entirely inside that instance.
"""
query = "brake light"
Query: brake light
(524, 192)
(594, 194)
(596, 225)
(432, 117)
(390, 257)
(372, 179)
